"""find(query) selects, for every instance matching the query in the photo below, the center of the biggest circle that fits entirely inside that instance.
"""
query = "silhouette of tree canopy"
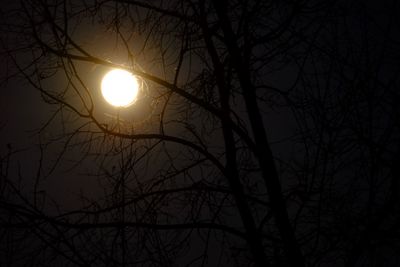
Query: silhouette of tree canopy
(266, 133)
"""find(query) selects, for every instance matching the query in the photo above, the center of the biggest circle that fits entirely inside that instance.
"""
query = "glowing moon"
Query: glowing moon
(119, 88)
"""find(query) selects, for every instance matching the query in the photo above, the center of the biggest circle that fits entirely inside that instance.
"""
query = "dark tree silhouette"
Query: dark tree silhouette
(266, 133)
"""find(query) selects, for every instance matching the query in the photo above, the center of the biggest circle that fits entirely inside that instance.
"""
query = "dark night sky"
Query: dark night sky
(23, 111)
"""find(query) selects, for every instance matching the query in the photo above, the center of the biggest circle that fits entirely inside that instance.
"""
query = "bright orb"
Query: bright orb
(119, 88)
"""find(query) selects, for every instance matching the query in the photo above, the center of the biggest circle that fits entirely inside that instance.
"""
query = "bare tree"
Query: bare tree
(264, 134)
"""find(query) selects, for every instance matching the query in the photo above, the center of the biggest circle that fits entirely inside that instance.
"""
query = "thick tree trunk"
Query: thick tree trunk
(254, 239)
(263, 151)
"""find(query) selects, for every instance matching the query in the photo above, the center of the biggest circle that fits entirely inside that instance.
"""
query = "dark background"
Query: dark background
(79, 190)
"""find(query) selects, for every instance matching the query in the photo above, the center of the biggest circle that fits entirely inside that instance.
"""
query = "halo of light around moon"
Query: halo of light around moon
(119, 88)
